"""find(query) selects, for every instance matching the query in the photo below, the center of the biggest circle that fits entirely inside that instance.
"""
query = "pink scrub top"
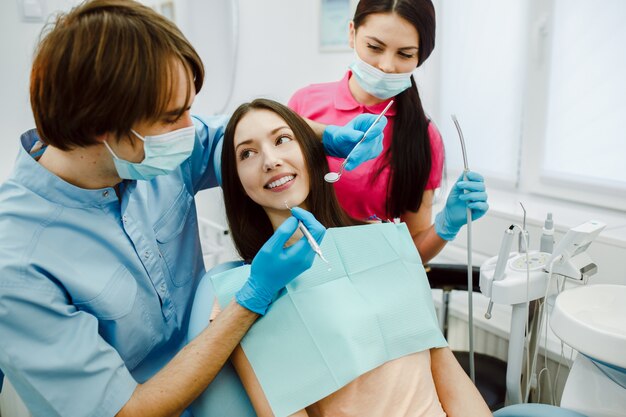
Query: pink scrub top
(361, 192)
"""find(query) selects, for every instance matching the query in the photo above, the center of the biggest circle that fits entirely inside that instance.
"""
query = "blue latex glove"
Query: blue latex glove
(465, 193)
(275, 265)
(340, 140)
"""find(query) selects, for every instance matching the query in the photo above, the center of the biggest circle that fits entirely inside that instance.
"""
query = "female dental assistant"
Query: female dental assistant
(99, 246)
(390, 39)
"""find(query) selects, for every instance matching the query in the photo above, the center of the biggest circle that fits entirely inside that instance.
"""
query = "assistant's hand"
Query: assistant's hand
(275, 266)
(340, 140)
(449, 221)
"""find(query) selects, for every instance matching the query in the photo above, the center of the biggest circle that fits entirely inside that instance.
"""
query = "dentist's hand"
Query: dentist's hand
(275, 266)
(449, 221)
(340, 140)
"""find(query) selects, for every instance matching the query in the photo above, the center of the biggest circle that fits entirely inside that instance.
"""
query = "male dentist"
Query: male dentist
(99, 248)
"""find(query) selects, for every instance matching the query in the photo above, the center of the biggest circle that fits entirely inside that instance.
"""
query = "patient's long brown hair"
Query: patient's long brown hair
(248, 222)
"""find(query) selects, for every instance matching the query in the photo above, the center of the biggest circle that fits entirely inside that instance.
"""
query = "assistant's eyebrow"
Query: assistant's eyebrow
(175, 112)
(374, 38)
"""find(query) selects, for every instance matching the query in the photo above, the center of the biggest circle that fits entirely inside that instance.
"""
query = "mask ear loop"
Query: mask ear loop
(138, 135)
(110, 150)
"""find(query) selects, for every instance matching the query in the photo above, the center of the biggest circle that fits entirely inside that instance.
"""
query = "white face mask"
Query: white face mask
(163, 154)
(379, 83)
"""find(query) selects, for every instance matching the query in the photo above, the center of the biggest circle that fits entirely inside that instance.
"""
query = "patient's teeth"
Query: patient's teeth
(280, 181)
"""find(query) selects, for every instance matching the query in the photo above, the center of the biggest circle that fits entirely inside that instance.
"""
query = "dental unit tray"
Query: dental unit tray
(514, 278)
(570, 259)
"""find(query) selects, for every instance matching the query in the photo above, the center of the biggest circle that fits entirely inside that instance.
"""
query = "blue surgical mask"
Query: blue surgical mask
(162, 154)
(378, 83)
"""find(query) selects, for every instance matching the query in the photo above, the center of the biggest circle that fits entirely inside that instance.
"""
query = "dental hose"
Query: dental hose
(470, 280)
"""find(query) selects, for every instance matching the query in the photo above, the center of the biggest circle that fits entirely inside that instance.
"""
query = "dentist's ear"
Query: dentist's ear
(351, 34)
(104, 138)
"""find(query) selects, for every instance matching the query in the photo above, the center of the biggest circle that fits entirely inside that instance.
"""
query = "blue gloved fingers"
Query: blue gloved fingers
(478, 206)
(282, 233)
(315, 227)
(363, 122)
(302, 251)
(369, 149)
(471, 185)
(340, 140)
(273, 267)
(345, 139)
(372, 146)
(478, 209)
(475, 196)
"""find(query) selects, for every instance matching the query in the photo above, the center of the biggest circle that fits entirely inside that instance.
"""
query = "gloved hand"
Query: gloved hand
(275, 266)
(449, 221)
(340, 140)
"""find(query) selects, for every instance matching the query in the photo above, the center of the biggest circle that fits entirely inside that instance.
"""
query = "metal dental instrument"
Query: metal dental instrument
(470, 282)
(334, 176)
(309, 237)
(524, 232)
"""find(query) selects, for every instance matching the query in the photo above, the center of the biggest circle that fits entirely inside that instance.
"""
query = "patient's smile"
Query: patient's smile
(270, 162)
(281, 184)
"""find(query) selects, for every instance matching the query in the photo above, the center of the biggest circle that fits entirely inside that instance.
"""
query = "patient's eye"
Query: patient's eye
(245, 154)
(283, 139)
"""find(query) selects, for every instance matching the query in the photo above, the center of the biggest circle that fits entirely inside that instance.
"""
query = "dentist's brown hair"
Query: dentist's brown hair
(104, 66)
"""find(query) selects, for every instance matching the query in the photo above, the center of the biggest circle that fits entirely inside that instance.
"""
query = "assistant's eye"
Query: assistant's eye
(245, 154)
(374, 47)
(406, 56)
(283, 139)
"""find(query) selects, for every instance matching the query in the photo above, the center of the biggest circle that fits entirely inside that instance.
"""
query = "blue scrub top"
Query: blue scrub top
(96, 291)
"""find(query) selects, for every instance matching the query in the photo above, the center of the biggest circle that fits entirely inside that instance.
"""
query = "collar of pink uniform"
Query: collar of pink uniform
(345, 101)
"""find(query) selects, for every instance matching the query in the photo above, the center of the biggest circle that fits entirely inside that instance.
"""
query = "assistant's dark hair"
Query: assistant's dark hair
(409, 155)
(248, 222)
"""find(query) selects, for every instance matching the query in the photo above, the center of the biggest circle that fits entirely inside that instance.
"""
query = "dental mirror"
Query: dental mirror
(332, 177)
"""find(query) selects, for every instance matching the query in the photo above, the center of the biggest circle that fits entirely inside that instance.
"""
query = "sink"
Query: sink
(592, 320)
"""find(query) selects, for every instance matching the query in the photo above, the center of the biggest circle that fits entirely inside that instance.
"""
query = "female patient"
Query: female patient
(270, 157)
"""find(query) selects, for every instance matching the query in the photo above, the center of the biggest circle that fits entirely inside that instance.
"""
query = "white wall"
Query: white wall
(17, 43)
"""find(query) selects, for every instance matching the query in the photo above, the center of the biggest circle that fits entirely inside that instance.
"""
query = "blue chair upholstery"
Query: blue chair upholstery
(226, 395)
(535, 410)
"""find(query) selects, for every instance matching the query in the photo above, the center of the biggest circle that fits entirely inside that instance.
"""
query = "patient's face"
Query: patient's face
(270, 163)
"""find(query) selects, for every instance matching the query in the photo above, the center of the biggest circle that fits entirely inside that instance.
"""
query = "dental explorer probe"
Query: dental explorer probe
(309, 237)
(332, 177)
(470, 282)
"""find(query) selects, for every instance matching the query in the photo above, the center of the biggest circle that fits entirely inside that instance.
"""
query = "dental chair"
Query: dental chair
(226, 395)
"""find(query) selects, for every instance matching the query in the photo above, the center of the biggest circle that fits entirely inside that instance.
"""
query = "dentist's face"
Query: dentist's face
(177, 115)
(386, 41)
(270, 163)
